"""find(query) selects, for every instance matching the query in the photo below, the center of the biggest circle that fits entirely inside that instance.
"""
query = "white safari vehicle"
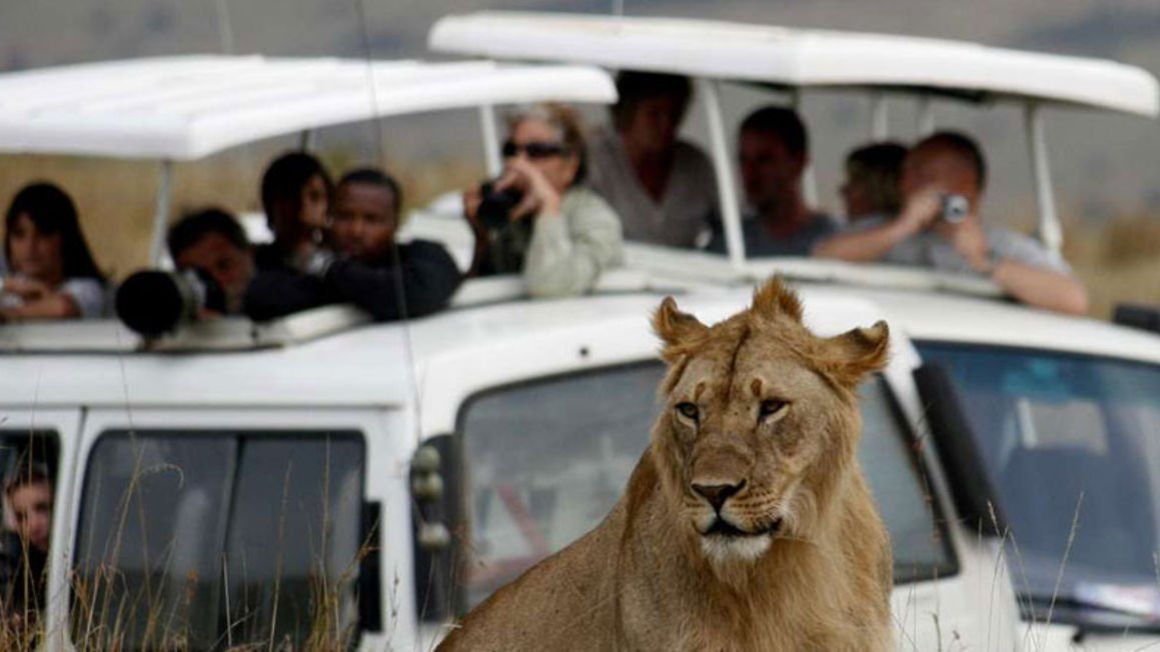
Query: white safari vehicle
(1048, 428)
(240, 482)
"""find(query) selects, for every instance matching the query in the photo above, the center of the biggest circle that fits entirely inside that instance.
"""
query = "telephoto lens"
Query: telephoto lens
(152, 302)
(954, 208)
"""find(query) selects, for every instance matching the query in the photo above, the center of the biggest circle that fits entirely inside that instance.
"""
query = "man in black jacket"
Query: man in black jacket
(366, 267)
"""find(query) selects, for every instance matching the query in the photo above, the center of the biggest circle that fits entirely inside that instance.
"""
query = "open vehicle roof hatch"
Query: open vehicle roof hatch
(800, 58)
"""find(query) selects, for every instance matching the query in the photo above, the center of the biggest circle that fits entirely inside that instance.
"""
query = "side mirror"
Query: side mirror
(971, 487)
(1134, 315)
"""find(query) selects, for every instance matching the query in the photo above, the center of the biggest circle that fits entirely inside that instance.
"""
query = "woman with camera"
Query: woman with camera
(537, 218)
(51, 273)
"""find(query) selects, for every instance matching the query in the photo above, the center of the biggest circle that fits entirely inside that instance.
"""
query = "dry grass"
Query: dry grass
(1118, 260)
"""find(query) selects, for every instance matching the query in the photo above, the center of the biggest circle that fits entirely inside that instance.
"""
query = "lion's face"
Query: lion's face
(760, 422)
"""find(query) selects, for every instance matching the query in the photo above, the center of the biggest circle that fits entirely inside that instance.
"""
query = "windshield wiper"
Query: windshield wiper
(1097, 616)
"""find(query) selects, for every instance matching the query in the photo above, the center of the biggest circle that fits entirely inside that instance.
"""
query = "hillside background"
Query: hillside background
(1106, 167)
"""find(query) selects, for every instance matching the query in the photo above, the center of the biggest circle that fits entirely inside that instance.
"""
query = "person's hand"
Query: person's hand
(969, 239)
(539, 195)
(472, 198)
(26, 288)
(921, 209)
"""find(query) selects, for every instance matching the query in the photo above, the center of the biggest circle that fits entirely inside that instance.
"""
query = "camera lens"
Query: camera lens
(152, 302)
(954, 208)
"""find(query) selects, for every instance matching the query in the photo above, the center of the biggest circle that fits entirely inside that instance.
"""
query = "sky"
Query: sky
(1102, 163)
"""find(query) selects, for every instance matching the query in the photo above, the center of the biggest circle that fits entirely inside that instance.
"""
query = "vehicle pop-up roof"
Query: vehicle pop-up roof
(187, 107)
(799, 60)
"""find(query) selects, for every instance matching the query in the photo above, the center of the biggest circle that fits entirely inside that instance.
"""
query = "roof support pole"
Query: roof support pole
(491, 155)
(306, 140)
(809, 179)
(161, 213)
(925, 124)
(722, 166)
(1050, 232)
(879, 118)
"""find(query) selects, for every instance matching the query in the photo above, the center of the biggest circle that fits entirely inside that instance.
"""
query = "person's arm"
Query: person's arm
(1042, 288)
(1020, 268)
(277, 293)
(38, 301)
(426, 275)
(566, 255)
(871, 244)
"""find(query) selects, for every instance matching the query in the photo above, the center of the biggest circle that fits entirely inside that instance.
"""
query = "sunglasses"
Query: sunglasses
(534, 150)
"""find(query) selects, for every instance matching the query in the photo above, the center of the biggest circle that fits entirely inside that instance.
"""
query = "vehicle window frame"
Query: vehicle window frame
(456, 512)
(240, 434)
(914, 445)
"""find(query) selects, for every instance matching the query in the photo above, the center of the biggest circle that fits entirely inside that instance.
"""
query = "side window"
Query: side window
(28, 467)
(199, 539)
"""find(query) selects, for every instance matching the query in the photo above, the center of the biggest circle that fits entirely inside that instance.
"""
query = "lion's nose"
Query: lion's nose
(717, 494)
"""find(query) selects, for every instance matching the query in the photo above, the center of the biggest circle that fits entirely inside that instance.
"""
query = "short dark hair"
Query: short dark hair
(195, 226)
(960, 145)
(878, 166)
(375, 177)
(287, 175)
(634, 87)
(782, 122)
(53, 211)
(26, 473)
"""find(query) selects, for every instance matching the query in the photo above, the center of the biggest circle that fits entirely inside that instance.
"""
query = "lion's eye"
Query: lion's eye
(688, 410)
(770, 407)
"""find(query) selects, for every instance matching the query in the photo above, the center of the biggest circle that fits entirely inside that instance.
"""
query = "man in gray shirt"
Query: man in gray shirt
(663, 188)
(773, 153)
(943, 164)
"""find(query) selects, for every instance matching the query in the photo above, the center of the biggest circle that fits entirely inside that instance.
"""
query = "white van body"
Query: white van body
(400, 385)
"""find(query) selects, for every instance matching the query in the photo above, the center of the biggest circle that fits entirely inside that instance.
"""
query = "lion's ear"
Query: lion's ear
(675, 327)
(774, 298)
(857, 352)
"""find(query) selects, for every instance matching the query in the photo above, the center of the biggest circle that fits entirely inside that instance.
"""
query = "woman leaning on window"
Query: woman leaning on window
(50, 271)
(537, 218)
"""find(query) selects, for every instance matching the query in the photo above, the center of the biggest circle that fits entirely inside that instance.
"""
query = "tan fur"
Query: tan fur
(647, 578)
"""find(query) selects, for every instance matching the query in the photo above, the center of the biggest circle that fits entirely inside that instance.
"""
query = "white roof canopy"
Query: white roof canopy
(187, 107)
(800, 58)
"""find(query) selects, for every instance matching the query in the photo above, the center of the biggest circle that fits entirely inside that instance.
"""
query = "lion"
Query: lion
(746, 525)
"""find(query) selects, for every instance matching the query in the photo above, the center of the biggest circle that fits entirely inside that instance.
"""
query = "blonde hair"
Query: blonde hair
(565, 121)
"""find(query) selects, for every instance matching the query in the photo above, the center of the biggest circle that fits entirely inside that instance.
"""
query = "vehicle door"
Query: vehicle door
(219, 528)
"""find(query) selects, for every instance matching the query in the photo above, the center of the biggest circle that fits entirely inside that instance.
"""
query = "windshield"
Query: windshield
(1072, 446)
(547, 460)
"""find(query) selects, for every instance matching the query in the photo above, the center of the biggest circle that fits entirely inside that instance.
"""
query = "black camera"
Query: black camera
(496, 206)
(954, 208)
(153, 302)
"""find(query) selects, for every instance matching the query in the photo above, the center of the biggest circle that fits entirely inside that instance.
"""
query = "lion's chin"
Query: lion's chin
(725, 549)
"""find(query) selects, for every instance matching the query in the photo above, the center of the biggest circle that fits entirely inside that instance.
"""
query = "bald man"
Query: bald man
(949, 163)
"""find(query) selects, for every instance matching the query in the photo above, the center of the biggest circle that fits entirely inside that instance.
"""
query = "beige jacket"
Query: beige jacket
(568, 252)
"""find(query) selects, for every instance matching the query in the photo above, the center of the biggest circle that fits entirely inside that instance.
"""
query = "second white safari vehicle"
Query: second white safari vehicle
(1046, 426)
